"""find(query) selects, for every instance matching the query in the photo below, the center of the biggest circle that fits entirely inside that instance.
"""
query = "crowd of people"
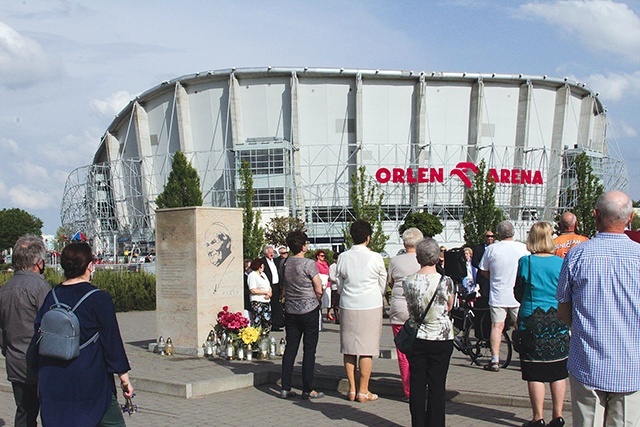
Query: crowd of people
(573, 300)
(530, 286)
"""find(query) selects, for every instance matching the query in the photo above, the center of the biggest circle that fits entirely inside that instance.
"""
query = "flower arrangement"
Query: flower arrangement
(231, 323)
(250, 334)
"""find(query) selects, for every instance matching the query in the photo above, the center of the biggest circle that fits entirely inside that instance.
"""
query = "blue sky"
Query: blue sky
(66, 66)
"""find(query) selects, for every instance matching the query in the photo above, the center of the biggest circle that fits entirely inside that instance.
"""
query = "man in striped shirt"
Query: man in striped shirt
(599, 296)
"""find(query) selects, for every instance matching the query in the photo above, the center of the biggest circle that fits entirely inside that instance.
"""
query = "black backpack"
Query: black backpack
(455, 264)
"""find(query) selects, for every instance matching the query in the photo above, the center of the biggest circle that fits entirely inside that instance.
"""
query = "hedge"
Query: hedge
(131, 291)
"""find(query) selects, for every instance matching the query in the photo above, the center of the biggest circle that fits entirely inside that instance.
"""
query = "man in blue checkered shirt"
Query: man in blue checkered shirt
(599, 296)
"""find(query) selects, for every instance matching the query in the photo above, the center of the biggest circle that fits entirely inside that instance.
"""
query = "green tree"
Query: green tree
(482, 214)
(252, 233)
(15, 223)
(587, 190)
(183, 185)
(366, 202)
(635, 223)
(279, 226)
(430, 225)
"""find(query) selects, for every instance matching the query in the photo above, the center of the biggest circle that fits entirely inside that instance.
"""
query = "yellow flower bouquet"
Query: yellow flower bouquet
(250, 334)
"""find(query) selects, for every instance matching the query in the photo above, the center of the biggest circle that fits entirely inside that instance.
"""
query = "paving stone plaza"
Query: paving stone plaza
(246, 393)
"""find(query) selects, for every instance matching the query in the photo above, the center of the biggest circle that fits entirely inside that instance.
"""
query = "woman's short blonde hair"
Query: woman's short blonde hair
(540, 239)
(468, 250)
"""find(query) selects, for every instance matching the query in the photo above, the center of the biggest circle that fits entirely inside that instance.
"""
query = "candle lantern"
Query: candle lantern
(161, 346)
(282, 347)
(169, 347)
(249, 352)
(263, 345)
(210, 345)
(230, 349)
(240, 352)
(272, 347)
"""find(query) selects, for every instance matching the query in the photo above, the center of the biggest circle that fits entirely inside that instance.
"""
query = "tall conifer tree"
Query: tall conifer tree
(366, 201)
(482, 214)
(252, 233)
(588, 188)
(183, 185)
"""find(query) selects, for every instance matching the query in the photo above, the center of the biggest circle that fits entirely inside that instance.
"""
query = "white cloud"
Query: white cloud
(71, 150)
(31, 172)
(28, 198)
(628, 130)
(113, 104)
(23, 62)
(8, 146)
(615, 87)
(601, 25)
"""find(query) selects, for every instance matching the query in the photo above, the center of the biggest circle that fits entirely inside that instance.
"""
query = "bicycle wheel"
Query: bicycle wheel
(480, 349)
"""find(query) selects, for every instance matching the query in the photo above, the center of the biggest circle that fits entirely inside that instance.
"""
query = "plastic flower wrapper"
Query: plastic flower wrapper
(129, 407)
(250, 334)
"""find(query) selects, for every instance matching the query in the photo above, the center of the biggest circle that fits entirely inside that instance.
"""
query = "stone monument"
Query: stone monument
(199, 262)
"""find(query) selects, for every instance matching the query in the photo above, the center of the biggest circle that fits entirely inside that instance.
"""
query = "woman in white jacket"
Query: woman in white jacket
(362, 283)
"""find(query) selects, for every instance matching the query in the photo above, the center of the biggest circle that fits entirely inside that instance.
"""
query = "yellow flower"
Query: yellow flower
(249, 335)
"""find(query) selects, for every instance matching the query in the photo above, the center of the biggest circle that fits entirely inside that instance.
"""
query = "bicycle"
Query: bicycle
(472, 342)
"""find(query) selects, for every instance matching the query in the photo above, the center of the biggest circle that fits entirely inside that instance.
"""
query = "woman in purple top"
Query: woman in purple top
(82, 392)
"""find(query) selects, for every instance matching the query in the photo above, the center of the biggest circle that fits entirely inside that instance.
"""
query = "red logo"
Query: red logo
(461, 171)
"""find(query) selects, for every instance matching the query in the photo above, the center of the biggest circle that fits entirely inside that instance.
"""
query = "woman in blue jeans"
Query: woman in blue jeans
(302, 291)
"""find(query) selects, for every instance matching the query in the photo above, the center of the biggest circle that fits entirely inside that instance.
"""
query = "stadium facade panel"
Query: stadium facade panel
(305, 131)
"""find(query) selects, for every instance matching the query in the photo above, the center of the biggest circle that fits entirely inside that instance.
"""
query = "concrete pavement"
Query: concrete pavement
(191, 391)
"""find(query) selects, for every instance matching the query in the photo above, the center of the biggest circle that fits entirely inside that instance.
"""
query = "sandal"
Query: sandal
(351, 396)
(492, 366)
(367, 397)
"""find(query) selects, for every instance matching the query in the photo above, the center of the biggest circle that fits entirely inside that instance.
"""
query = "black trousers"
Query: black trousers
(277, 311)
(28, 405)
(299, 326)
(428, 366)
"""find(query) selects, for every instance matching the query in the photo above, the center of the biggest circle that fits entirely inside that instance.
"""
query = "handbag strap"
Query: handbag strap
(426, 310)
(528, 283)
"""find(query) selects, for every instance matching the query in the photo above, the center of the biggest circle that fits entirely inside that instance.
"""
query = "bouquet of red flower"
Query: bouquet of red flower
(229, 322)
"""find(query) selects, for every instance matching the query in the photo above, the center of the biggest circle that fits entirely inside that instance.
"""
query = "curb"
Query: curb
(385, 388)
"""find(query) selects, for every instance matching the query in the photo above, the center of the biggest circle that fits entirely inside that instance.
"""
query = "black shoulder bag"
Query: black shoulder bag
(406, 336)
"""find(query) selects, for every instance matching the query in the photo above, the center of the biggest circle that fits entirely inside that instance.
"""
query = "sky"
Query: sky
(67, 67)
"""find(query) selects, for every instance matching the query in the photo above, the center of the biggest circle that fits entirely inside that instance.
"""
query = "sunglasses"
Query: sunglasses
(491, 236)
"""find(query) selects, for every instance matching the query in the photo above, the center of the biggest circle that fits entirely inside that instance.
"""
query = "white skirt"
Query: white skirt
(325, 302)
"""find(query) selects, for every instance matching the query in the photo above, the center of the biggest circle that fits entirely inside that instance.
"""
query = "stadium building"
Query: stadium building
(305, 131)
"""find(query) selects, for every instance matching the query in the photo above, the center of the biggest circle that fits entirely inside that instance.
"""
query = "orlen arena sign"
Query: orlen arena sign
(431, 175)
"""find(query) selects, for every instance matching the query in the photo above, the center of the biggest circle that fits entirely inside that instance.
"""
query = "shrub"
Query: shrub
(131, 291)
